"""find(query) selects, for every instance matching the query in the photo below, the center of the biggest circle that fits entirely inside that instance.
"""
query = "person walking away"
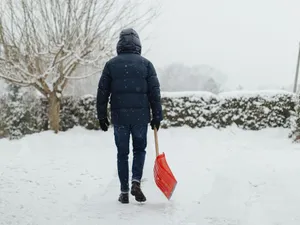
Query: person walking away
(131, 83)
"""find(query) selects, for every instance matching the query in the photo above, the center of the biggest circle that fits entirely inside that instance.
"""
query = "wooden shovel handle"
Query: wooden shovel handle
(156, 142)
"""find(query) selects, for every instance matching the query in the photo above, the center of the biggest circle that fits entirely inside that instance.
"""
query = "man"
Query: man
(131, 82)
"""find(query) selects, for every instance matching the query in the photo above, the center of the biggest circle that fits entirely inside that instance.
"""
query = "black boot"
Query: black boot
(137, 192)
(124, 198)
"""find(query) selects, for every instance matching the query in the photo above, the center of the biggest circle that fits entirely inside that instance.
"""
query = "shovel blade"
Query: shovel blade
(163, 176)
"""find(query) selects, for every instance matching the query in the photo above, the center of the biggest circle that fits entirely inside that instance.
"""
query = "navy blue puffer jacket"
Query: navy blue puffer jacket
(130, 82)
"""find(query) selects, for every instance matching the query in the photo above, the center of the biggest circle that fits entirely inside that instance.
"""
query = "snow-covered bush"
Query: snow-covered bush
(68, 113)
(21, 114)
(86, 112)
(254, 111)
(79, 112)
(295, 121)
(248, 110)
(189, 108)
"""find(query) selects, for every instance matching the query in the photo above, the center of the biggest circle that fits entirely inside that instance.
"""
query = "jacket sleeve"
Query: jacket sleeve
(154, 93)
(103, 93)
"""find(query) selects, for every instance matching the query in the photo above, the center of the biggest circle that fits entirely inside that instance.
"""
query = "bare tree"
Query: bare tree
(43, 43)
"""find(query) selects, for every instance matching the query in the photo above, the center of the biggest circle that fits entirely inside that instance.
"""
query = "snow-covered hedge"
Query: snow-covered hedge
(248, 110)
(295, 121)
(22, 116)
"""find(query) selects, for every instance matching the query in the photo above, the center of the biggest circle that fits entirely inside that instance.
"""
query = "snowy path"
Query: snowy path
(228, 177)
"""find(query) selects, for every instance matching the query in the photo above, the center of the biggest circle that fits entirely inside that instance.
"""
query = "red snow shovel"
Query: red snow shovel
(163, 175)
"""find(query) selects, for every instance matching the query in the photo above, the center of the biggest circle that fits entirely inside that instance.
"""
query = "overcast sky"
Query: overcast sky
(254, 42)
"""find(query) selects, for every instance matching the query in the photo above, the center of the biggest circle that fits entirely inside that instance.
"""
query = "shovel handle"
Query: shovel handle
(156, 142)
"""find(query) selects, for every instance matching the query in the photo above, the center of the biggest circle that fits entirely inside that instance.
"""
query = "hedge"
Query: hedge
(247, 110)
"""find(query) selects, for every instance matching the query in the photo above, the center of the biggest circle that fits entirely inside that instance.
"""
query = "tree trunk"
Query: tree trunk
(54, 108)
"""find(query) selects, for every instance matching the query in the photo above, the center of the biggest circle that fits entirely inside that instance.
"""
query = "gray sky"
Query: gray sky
(254, 42)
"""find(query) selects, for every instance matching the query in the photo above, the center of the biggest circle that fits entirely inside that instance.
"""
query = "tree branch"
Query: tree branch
(43, 42)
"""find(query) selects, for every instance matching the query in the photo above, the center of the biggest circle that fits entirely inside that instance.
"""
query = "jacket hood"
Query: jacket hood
(129, 42)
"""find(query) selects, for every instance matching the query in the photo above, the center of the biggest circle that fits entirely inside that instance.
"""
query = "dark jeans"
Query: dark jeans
(139, 141)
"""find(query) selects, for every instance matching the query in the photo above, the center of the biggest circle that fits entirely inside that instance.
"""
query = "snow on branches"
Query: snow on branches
(44, 43)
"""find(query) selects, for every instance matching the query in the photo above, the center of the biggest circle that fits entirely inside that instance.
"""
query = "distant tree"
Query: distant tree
(211, 86)
(240, 87)
(179, 77)
(175, 77)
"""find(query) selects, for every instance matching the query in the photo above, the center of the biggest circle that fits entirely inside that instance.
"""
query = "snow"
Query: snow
(195, 95)
(188, 94)
(248, 94)
(225, 177)
(227, 94)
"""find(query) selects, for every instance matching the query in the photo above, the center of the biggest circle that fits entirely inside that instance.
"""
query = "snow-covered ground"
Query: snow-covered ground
(228, 177)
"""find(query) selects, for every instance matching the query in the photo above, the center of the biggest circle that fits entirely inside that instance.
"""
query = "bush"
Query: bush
(248, 110)
(22, 116)
(295, 121)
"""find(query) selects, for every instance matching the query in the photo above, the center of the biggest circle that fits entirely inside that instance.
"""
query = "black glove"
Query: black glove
(104, 124)
(155, 123)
